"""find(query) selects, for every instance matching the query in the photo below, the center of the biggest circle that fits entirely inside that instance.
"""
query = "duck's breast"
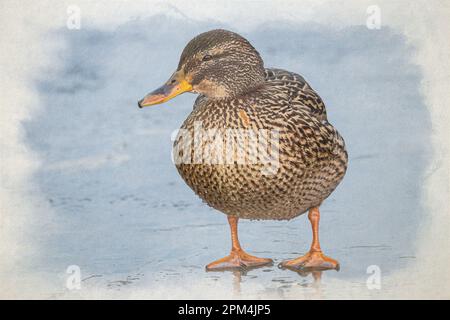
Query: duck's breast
(255, 159)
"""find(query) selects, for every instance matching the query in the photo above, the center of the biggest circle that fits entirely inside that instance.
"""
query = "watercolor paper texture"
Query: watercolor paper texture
(88, 187)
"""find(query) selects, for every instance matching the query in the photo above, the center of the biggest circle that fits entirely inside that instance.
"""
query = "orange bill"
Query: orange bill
(177, 84)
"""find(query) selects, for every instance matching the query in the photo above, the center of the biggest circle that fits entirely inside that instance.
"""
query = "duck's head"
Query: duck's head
(218, 64)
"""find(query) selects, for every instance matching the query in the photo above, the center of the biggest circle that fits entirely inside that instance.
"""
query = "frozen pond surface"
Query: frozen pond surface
(123, 215)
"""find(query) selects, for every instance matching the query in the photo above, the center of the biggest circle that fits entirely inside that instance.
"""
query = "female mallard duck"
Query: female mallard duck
(239, 96)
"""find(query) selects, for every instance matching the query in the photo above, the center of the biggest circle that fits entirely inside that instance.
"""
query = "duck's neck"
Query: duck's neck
(238, 87)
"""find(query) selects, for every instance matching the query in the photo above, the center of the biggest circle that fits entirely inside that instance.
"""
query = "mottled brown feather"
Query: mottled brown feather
(313, 158)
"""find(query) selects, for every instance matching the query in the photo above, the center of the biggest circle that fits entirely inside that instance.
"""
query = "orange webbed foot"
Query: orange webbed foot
(238, 259)
(313, 260)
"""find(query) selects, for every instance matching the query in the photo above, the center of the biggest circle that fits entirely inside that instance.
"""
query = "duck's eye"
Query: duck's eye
(207, 57)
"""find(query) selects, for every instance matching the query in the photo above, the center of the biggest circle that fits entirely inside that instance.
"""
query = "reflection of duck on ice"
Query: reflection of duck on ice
(316, 283)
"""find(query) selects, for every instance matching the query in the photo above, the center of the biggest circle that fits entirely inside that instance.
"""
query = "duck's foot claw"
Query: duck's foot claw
(312, 261)
(238, 260)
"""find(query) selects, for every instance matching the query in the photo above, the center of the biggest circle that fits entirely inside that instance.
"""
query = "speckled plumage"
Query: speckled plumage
(257, 144)
(312, 154)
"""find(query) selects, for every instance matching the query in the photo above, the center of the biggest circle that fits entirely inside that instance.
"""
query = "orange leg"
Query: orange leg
(238, 258)
(314, 259)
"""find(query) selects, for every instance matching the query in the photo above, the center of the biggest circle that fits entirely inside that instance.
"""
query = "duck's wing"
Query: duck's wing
(201, 99)
(300, 111)
(300, 93)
